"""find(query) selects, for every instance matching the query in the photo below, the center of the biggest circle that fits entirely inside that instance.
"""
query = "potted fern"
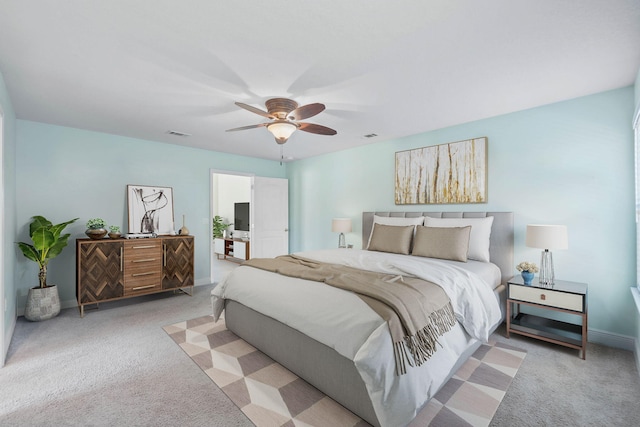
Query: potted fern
(43, 301)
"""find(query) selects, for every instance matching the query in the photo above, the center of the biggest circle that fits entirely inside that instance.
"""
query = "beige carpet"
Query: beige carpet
(270, 395)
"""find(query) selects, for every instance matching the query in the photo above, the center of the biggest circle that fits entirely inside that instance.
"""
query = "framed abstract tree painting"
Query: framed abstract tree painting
(443, 174)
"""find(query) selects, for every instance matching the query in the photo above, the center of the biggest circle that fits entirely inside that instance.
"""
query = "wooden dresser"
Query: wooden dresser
(111, 269)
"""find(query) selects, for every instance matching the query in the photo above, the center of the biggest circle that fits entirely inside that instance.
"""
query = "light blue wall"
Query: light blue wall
(9, 228)
(63, 173)
(567, 163)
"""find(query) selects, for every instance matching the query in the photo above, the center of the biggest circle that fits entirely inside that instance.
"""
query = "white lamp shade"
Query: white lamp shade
(281, 130)
(341, 225)
(547, 236)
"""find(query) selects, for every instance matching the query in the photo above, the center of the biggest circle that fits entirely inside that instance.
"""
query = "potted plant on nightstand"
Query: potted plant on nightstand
(43, 302)
(96, 228)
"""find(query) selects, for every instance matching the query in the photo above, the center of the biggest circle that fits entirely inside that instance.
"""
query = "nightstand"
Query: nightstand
(563, 296)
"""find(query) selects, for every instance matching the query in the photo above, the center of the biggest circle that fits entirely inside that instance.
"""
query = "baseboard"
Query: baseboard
(635, 291)
(638, 356)
(73, 303)
(7, 341)
(611, 339)
(623, 342)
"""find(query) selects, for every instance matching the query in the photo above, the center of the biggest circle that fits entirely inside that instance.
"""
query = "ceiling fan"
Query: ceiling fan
(285, 115)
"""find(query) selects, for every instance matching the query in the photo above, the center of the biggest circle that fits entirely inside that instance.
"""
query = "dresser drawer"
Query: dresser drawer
(548, 297)
(142, 266)
(142, 278)
(142, 248)
(142, 286)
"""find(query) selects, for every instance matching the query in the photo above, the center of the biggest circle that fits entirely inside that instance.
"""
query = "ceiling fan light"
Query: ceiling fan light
(281, 131)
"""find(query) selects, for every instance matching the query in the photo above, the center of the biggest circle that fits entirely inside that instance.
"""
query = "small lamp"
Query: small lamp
(547, 237)
(341, 225)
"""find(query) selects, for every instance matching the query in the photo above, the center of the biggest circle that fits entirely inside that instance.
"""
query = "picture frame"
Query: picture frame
(150, 209)
(451, 173)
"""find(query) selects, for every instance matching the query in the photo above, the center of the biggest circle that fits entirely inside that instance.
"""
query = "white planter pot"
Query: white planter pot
(42, 303)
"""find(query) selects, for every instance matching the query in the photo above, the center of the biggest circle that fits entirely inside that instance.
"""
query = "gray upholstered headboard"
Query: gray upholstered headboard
(500, 251)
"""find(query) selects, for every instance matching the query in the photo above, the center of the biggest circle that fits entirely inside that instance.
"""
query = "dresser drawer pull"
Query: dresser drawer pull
(164, 255)
(143, 274)
(144, 247)
(121, 259)
(143, 260)
(543, 297)
(143, 287)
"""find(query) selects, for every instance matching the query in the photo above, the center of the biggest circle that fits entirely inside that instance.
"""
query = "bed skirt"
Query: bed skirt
(319, 365)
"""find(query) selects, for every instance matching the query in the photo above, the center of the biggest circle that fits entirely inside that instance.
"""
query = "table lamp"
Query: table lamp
(341, 225)
(547, 237)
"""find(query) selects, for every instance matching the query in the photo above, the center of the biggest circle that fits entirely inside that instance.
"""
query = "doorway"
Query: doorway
(227, 189)
(268, 231)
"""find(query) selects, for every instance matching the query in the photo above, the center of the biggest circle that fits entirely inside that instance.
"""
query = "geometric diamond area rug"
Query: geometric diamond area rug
(270, 395)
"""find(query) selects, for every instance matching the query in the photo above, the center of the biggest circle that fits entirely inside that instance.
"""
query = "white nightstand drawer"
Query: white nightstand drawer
(548, 297)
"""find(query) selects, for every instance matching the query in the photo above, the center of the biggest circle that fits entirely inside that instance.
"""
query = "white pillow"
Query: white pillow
(479, 240)
(397, 221)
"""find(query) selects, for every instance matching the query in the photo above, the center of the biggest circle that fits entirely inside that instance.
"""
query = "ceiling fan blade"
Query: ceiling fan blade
(248, 127)
(306, 111)
(254, 110)
(314, 128)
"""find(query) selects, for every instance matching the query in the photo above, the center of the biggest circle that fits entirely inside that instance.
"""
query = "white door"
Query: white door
(269, 217)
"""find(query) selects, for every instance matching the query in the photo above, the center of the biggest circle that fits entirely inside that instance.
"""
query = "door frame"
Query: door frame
(3, 301)
(212, 209)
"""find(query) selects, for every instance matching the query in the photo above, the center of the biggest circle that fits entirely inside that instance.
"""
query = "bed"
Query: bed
(352, 364)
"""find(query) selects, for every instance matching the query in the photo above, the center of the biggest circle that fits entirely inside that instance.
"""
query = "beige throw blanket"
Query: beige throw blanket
(417, 311)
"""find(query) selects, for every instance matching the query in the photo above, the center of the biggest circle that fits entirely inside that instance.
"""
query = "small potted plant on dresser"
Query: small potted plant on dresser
(96, 228)
(43, 301)
(114, 232)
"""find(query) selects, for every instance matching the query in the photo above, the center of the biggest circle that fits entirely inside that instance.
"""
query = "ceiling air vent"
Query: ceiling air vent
(176, 133)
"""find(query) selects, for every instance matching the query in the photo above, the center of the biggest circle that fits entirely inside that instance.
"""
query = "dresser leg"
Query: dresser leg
(508, 317)
(584, 337)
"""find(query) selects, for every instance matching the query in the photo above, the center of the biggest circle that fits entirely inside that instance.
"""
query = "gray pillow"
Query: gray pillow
(442, 242)
(391, 238)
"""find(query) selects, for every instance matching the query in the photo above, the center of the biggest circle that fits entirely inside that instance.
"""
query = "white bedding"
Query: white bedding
(342, 321)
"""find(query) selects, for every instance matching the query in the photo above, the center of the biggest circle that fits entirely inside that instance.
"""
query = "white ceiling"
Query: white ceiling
(140, 68)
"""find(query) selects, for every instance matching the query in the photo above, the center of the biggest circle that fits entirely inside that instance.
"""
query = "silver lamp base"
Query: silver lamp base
(341, 241)
(546, 276)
